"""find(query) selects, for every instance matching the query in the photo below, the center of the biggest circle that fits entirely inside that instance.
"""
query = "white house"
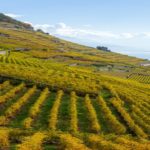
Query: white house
(146, 64)
(3, 52)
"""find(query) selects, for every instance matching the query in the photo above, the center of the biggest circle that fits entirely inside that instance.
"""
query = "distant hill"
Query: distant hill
(21, 37)
(9, 22)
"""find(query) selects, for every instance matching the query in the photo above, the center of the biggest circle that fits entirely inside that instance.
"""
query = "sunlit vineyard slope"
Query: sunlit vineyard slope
(55, 94)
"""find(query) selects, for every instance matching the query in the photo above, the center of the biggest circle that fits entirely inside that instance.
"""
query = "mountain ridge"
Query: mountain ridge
(9, 22)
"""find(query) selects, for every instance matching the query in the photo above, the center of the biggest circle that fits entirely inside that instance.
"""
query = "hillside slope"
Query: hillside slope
(8, 22)
(45, 46)
(55, 94)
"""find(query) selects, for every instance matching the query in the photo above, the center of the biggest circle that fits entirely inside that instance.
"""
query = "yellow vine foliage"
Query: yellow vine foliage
(140, 113)
(4, 120)
(54, 111)
(134, 127)
(4, 139)
(11, 111)
(95, 126)
(15, 107)
(141, 122)
(4, 85)
(69, 142)
(97, 142)
(27, 122)
(73, 113)
(132, 144)
(115, 125)
(10, 94)
(33, 142)
(35, 109)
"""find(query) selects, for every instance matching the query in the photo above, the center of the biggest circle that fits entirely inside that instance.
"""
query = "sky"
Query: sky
(121, 25)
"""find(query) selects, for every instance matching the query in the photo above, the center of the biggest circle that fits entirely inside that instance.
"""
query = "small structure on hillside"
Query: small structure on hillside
(145, 64)
(21, 49)
(3, 52)
(75, 64)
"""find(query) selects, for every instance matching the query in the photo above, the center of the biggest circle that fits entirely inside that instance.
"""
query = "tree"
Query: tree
(103, 48)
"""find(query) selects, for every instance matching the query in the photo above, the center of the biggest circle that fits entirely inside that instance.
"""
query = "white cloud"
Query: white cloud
(15, 16)
(147, 34)
(44, 27)
(87, 25)
(128, 35)
(28, 23)
(61, 29)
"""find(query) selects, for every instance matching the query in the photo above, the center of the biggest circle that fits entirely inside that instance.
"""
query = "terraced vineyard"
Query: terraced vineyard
(55, 95)
(32, 118)
(144, 78)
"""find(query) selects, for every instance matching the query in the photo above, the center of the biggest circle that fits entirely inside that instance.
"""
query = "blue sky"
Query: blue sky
(122, 25)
